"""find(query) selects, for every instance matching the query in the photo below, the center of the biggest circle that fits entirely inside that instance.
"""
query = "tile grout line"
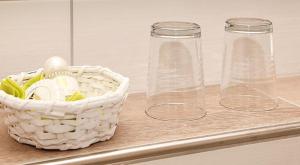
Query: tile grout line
(71, 33)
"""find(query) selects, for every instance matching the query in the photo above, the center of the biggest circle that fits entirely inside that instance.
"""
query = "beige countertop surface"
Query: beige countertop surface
(139, 137)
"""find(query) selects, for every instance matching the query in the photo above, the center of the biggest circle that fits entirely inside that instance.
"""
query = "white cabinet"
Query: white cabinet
(31, 31)
(277, 152)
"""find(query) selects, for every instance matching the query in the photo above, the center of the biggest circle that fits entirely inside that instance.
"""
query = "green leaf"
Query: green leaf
(20, 91)
(7, 88)
(32, 81)
(11, 87)
(75, 96)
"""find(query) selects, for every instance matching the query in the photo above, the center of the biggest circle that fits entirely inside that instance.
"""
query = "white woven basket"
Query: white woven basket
(68, 125)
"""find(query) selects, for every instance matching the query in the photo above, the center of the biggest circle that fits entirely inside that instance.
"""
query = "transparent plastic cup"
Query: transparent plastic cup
(175, 74)
(248, 79)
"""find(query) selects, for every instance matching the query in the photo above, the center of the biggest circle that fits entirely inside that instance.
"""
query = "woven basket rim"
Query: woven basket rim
(91, 102)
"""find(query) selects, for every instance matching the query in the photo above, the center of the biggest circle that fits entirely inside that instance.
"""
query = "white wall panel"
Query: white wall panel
(31, 31)
(115, 33)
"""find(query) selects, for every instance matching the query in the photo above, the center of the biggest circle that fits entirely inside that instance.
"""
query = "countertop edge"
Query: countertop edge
(178, 146)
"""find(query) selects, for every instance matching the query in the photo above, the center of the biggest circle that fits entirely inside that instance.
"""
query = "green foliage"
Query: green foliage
(33, 80)
(75, 96)
(13, 88)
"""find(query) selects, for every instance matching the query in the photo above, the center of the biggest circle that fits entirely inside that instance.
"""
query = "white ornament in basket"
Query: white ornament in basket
(68, 125)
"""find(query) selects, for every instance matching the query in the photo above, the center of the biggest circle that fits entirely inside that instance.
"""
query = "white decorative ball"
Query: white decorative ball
(55, 64)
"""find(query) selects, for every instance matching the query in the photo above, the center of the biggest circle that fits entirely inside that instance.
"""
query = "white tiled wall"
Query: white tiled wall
(31, 31)
(115, 33)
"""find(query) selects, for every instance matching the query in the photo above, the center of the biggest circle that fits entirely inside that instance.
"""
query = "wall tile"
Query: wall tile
(115, 33)
(31, 31)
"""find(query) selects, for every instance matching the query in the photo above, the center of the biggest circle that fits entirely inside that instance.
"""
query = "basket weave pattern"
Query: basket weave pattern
(68, 125)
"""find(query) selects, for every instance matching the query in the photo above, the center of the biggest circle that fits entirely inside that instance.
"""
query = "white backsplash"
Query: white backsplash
(115, 33)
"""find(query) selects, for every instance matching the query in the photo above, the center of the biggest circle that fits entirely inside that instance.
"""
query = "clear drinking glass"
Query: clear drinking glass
(175, 74)
(248, 80)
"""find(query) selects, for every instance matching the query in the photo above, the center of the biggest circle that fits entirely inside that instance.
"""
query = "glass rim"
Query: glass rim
(248, 25)
(175, 29)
